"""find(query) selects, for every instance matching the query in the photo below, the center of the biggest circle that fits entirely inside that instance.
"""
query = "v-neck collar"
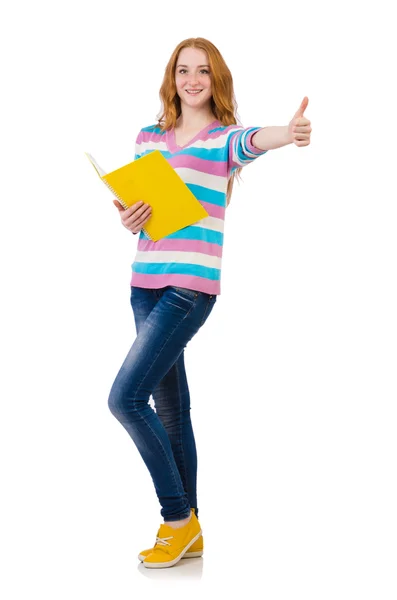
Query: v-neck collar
(171, 141)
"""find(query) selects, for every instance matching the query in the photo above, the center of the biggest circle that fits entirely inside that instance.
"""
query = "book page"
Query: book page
(98, 169)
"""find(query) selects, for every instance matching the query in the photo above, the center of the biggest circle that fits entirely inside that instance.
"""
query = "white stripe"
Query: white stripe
(212, 223)
(248, 155)
(150, 145)
(218, 142)
(193, 258)
(213, 182)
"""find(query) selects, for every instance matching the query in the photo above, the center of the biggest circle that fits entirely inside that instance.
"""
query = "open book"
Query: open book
(152, 179)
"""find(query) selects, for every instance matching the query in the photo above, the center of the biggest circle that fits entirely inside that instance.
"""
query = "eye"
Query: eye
(205, 71)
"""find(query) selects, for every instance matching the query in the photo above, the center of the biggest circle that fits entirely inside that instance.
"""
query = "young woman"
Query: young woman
(176, 280)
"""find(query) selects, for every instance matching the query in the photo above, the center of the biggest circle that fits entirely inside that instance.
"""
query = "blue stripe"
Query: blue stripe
(211, 154)
(240, 147)
(179, 268)
(154, 129)
(220, 128)
(207, 194)
(193, 233)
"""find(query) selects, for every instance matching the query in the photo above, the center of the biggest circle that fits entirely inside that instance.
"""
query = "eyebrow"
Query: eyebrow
(197, 65)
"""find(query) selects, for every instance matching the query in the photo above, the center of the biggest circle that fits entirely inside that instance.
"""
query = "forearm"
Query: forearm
(270, 138)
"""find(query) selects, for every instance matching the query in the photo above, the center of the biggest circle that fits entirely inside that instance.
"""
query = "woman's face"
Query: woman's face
(193, 73)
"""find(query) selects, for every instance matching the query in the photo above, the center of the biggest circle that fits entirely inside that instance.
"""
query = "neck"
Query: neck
(192, 118)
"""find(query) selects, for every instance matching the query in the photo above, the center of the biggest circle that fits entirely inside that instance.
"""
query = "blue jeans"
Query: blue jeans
(166, 319)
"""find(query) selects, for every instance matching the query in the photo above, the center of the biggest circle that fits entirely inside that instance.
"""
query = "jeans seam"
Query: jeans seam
(161, 447)
(181, 427)
(194, 295)
(205, 312)
(140, 385)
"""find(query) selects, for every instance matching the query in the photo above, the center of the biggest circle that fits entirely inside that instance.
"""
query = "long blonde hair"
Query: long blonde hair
(223, 101)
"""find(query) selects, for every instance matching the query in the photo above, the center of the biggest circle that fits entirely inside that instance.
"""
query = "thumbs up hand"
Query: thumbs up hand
(299, 129)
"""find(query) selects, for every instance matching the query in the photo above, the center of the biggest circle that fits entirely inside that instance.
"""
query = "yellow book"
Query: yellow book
(152, 179)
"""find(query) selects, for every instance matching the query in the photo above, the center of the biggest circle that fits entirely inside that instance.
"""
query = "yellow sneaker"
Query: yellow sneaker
(195, 550)
(172, 544)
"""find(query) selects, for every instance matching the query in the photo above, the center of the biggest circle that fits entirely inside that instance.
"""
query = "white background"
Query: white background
(293, 378)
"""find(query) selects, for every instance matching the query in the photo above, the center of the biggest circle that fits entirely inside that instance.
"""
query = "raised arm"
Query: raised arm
(297, 132)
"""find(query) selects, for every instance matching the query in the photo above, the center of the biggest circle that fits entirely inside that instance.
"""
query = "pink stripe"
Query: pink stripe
(214, 210)
(208, 286)
(212, 167)
(250, 145)
(214, 134)
(160, 137)
(181, 246)
(151, 136)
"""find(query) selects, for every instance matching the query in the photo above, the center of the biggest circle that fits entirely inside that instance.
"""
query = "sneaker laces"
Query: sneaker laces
(163, 541)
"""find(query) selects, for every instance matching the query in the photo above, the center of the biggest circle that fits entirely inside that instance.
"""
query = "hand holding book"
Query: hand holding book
(134, 217)
(152, 179)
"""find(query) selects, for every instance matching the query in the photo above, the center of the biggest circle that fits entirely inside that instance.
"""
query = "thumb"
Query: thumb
(119, 206)
(302, 108)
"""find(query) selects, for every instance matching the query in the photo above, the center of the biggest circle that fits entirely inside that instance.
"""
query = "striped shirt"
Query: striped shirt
(192, 257)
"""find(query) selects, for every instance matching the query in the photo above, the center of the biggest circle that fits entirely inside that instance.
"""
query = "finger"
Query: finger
(135, 207)
(143, 209)
(139, 225)
(306, 129)
(147, 214)
(301, 123)
(302, 136)
(137, 212)
(302, 108)
(118, 205)
(138, 216)
(299, 112)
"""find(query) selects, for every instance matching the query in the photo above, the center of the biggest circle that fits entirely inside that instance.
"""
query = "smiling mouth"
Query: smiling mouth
(193, 93)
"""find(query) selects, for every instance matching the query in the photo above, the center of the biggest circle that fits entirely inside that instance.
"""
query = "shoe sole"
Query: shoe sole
(187, 555)
(173, 562)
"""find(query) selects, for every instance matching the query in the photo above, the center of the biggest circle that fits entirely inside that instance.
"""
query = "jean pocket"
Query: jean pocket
(186, 292)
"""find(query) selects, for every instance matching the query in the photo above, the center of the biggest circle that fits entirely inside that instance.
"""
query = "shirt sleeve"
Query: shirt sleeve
(241, 150)
(138, 151)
